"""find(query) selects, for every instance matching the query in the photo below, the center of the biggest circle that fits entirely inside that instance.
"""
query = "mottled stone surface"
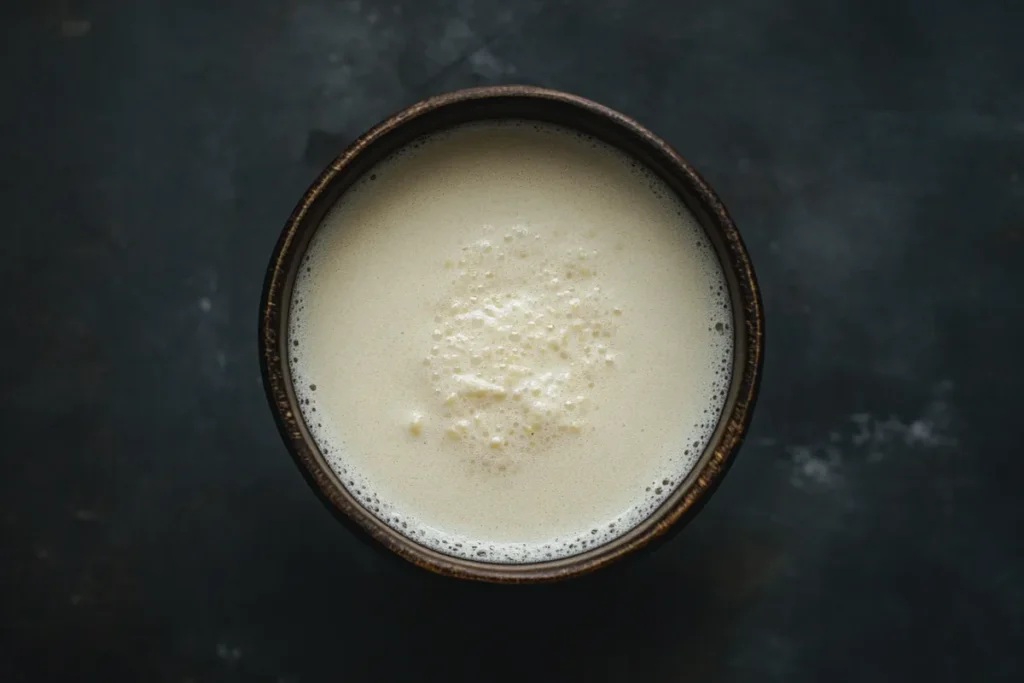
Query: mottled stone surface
(152, 526)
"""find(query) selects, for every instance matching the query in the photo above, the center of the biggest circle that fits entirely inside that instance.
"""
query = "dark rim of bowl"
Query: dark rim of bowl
(515, 102)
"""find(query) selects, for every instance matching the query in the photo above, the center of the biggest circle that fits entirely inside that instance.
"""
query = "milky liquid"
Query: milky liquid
(510, 341)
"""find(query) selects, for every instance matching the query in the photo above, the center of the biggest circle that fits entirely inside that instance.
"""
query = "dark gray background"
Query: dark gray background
(153, 526)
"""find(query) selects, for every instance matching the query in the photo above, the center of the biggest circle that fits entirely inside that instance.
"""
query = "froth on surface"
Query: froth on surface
(510, 341)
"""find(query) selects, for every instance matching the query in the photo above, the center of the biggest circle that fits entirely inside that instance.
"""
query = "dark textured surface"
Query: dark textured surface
(153, 527)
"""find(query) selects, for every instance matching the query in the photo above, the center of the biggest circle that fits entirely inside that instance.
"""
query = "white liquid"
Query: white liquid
(519, 340)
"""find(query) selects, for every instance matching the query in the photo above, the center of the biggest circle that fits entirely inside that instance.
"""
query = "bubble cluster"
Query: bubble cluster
(519, 342)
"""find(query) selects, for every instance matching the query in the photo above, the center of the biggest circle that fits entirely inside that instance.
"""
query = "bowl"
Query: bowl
(570, 111)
